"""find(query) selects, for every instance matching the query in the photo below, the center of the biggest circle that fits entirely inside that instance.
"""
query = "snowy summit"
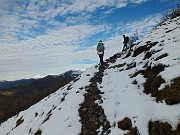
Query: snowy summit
(136, 92)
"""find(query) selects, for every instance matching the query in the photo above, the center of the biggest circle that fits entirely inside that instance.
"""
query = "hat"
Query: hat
(100, 40)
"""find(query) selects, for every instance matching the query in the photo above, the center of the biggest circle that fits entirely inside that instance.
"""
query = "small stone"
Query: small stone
(96, 123)
(85, 132)
(84, 109)
(105, 123)
(101, 118)
(100, 101)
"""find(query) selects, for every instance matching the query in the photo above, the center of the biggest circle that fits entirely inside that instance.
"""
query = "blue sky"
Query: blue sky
(42, 37)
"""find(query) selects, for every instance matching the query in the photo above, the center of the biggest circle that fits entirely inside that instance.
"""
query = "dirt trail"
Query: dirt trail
(92, 115)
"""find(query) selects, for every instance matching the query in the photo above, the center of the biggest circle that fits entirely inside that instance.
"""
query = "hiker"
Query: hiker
(100, 51)
(126, 41)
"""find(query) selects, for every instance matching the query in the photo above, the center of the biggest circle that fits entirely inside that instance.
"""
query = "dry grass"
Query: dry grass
(7, 93)
(158, 128)
(39, 132)
(19, 121)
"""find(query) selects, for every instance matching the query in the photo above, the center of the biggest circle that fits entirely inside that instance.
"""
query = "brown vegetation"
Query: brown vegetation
(145, 48)
(19, 121)
(39, 132)
(139, 50)
(170, 94)
(169, 15)
(158, 128)
(125, 124)
(147, 55)
(161, 56)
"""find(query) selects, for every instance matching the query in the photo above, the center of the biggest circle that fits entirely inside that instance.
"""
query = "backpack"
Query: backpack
(127, 39)
(100, 47)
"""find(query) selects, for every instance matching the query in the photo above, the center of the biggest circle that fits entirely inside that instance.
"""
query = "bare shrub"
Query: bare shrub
(133, 38)
(169, 15)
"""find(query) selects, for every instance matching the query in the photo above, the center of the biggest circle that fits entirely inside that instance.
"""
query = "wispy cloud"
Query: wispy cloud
(55, 52)
(142, 26)
(25, 17)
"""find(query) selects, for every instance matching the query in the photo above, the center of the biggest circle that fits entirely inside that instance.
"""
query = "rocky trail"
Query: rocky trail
(92, 115)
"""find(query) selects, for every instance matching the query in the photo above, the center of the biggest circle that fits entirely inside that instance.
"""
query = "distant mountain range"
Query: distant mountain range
(23, 82)
(10, 84)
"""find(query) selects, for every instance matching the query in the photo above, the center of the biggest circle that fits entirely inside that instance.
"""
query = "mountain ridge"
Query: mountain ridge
(23, 82)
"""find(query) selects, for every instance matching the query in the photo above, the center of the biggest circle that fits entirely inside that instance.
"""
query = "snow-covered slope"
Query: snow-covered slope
(133, 93)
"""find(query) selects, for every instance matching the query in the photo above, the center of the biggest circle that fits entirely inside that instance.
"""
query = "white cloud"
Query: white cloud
(138, 1)
(91, 6)
(142, 26)
(52, 53)
(56, 50)
(23, 16)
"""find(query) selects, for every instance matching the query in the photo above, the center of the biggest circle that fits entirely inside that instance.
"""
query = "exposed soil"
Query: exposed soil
(131, 65)
(147, 55)
(144, 48)
(117, 66)
(157, 128)
(161, 56)
(39, 132)
(170, 94)
(92, 115)
(139, 50)
(133, 131)
(19, 121)
(125, 124)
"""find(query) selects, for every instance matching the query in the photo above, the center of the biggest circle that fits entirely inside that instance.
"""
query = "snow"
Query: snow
(121, 97)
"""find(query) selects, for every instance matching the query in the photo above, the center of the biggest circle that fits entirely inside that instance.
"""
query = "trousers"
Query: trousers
(101, 58)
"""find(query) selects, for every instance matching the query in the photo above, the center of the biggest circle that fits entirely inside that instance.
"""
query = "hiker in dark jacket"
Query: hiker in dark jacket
(100, 51)
(126, 41)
